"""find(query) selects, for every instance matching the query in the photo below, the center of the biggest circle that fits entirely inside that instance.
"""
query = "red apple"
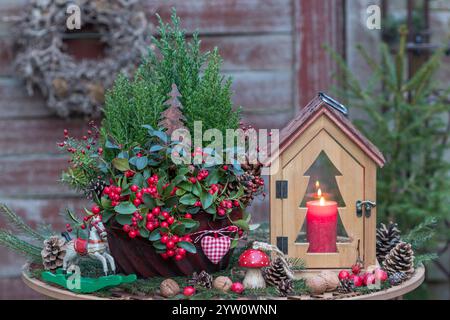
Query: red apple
(343, 274)
(358, 281)
(380, 275)
(369, 279)
(189, 291)
(237, 287)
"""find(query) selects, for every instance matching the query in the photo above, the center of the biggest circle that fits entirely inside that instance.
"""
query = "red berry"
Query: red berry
(221, 212)
(107, 190)
(164, 224)
(139, 195)
(126, 228)
(164, 256)
(192, 179)
(181, 251)
(237, 287)
(170, 220)
(164, 239)
(178, 257)
(68, 225)
(170, 253)
(189, 291)
(83, 226)
(343, 274)
(356, 268)
(165, 214)
(236, 203)
(134, 188)
(188, 216)
(175, 238)
(170, 244)
(225, 167)
(95, 209)
(132, 234)
(150, 226)
(156, 210)
(136, 202)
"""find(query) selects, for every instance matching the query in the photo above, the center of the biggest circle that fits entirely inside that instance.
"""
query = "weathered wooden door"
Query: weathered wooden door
(323, 137)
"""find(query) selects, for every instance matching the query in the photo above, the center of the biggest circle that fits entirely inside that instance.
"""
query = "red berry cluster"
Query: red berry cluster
(363, 279)
(202, 174)
(224, 206)
(172, 250)
(214, 188)
(113, 193)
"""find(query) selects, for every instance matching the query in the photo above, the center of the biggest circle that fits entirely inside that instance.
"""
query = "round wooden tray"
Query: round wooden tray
(61, 294)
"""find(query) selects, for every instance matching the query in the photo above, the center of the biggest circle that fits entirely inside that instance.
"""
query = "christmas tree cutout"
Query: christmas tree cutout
(322, 175)
(172, 118)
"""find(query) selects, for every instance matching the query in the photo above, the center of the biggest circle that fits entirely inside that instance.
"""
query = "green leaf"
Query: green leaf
(111, 145)
(121, 164)
(141, 163)
(242, 224)
(106, 215)
(149, 201)
(155, 235)
(123, 219)
(156, 148)
(138, 179)
(197, 189)
(161, 135)
(144, 232)
(105, 202)
(189, 223)
(213, 177)
(189, 247)
(125, 208)
(207, 199)
(159, 246)
(188, 199)
(179, 229)
(185, 186)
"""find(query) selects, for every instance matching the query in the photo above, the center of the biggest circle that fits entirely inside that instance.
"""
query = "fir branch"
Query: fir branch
(419, 236)
(20, 246)
(19, 224)
(424, 258)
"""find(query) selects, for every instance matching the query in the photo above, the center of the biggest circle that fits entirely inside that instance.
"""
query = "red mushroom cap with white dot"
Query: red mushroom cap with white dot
(252, 258)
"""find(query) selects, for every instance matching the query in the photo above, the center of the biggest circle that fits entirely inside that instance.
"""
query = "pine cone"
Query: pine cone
(204, 280)
(396, 278)
(275, 273)
(346, 286)
(387, 239)
(285, 287)
(400, 259)
(95, 188)
(250, 180)
(53, 253)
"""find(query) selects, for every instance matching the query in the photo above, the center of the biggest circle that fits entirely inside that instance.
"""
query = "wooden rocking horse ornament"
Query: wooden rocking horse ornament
(96, 247)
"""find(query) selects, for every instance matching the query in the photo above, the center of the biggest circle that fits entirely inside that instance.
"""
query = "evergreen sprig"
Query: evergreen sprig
(20, 246)
(407, 118)
(205, 93)
(19, 224)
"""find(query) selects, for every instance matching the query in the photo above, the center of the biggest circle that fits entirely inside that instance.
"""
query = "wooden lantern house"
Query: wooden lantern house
(323, 189)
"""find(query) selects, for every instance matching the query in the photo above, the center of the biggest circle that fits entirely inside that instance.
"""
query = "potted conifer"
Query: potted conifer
(153, 208)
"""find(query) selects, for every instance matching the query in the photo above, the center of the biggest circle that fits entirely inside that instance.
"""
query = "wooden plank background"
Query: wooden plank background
(271, 48)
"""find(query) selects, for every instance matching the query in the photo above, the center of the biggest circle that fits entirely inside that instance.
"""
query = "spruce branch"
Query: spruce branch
(19, 224)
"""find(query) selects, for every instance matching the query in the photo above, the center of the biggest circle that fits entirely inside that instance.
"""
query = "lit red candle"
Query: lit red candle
(321, 225)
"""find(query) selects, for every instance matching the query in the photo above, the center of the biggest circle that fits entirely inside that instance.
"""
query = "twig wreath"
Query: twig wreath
(73, 86)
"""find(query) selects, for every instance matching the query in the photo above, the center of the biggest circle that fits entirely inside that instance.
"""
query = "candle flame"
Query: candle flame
(322, 201)
(319, 193)
(317, 184)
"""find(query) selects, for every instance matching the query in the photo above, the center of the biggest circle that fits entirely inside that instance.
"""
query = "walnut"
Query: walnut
(169, 288)
(222, 283)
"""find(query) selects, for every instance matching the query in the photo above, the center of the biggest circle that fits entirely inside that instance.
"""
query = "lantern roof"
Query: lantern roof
(337, 113)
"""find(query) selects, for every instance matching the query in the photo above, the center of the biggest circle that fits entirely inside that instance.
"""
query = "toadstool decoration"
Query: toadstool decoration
(254, 260)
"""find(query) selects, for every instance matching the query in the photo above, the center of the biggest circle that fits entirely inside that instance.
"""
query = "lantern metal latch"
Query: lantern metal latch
(282, 244)
(365, 206)
(281, 189)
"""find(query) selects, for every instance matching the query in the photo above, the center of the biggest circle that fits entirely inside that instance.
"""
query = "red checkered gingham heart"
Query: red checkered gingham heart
(215, 248)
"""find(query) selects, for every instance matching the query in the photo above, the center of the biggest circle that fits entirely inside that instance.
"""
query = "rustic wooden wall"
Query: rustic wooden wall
(272, 48)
